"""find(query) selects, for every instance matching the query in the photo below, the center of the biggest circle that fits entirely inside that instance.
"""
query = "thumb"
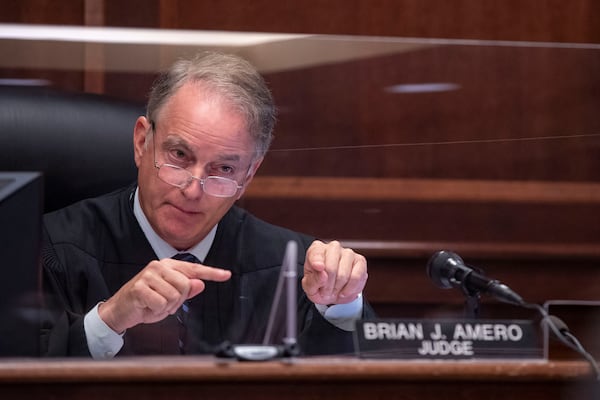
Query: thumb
(196, 287)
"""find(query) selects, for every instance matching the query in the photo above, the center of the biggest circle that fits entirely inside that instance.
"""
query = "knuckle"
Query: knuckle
(138, 287)
(154, 265)
(349, 253)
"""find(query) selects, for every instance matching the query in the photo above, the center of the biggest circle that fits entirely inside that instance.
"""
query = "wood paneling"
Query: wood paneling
(427, 190)
(542, 20)
(429, 210)
(318, 378)
(415, 221)
(402, 281)
(516, 114)
(46, 12)
(61, 12)
(134, 13)
(539, 238)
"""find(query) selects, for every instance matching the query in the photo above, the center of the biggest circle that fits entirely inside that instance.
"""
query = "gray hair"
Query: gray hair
(231, 77)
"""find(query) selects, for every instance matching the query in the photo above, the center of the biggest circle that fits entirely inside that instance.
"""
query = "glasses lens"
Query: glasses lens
(220, 187)
(173, 175)
(212, 185)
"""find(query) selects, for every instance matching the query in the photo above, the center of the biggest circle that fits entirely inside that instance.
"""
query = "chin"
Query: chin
(181, 242)
(177, 232)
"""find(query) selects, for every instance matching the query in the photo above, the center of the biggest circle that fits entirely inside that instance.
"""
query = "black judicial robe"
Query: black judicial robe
(91, 248)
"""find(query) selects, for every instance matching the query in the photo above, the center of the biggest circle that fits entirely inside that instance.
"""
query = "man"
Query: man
(113, 270)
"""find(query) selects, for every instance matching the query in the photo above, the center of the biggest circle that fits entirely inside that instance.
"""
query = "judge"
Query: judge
(169, 264)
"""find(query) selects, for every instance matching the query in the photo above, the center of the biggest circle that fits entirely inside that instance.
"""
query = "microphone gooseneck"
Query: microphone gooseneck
(446, 269)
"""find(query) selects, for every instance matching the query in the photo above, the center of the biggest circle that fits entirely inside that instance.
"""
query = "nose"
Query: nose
(194, 189)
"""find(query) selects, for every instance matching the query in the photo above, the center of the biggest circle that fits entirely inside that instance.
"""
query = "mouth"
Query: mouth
(184, 211)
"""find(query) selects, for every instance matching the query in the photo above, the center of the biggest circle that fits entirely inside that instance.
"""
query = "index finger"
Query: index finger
(315, 256)
(200, 271)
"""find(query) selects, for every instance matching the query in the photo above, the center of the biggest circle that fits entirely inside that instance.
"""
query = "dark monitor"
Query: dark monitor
(21, 205)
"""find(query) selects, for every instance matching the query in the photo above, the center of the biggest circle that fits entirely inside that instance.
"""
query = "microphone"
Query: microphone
(446, 269)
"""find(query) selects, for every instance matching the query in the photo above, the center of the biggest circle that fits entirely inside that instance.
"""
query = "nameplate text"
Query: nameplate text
(448, 339)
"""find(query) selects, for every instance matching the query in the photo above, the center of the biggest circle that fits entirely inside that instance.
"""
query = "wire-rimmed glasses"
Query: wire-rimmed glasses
(212, 185)
(177, 176)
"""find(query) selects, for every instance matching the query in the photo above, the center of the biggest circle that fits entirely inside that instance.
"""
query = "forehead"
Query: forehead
(199, 117)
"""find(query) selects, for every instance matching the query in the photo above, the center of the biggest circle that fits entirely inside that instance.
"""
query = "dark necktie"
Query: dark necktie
(184, 310)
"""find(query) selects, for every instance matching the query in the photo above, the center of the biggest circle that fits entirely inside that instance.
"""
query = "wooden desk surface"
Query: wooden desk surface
(315, 378)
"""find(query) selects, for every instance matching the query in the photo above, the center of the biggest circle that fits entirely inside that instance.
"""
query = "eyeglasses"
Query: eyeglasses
(174, 175)
(216, 186)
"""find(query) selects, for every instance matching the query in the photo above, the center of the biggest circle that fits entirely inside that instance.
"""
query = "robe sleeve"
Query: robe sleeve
(62, 333)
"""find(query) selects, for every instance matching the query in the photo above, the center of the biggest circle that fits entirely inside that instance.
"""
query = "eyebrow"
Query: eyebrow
(229, 157)
(174, 140)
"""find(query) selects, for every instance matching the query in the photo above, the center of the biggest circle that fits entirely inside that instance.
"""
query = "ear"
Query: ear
(140, 133)
(255, 165)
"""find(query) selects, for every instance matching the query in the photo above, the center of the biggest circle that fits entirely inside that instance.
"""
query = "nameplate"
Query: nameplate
(448, 339)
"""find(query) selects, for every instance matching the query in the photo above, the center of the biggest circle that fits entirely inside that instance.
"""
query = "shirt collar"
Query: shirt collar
(162, 248)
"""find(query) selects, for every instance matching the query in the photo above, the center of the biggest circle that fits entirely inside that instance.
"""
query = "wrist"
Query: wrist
(106, 315)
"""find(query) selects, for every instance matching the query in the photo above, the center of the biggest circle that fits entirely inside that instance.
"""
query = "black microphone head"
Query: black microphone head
(441, 267)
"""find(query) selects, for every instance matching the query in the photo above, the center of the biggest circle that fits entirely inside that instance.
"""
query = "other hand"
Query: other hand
(333, 274)
(156, 292)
